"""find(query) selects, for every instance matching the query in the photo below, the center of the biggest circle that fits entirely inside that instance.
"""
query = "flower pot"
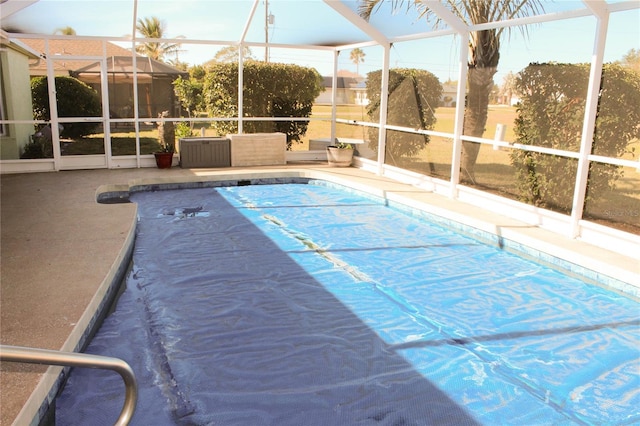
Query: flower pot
(339, 157)
(164, 160)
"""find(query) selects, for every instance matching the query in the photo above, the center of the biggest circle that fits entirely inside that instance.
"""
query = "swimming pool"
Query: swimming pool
(307, 304)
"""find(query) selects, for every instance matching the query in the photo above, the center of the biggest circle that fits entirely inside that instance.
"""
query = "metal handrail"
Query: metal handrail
(74, 359)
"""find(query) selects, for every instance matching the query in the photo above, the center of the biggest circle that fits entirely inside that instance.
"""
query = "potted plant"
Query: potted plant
(340, 154)
(167, 139)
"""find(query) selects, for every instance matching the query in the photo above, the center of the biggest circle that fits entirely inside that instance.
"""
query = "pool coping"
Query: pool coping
(578, 258)
(40, 402)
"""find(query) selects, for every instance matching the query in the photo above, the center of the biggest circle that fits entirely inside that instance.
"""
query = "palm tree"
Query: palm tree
(484, 55)
(154, 28)
(65, 31)
(357, 56)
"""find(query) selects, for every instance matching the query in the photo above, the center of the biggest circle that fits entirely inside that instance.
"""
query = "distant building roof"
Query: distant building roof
(123, 66)
(18, 46)
(70, 47)
(342, 82)
(119, 59)
(449, 88)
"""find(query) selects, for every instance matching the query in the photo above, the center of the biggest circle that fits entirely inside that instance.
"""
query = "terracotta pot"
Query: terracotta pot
(164, 160)
(339, 157)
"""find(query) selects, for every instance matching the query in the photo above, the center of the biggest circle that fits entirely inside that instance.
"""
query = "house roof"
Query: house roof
(18, 46)
(341, 82)
(123, 66)
(84, 47)
(75, 47)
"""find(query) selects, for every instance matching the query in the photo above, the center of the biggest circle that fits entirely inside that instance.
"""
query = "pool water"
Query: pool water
(307, 304)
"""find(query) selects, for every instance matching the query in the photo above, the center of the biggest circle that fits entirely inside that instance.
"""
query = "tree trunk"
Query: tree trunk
(475, 117)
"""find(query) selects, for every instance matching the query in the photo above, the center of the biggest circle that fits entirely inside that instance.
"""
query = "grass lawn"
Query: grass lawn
(121, 144)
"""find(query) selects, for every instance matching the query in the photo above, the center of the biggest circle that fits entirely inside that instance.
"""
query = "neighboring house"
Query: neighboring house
(449, 93)
(349, 90)
(155, 88)
(360, 93)
(15, 96)
(510, 100)
(155, 85)
(352, 89)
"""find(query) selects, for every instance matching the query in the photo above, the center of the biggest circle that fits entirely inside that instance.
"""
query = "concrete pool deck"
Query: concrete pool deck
(59, 247)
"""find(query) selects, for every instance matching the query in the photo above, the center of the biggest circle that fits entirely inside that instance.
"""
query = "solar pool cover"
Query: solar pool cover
(306, 304)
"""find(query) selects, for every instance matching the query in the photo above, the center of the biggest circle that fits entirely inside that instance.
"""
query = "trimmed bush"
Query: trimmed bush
(270, 90)
(551, 114)
(414, 96)
(189, 92)
(75, 99)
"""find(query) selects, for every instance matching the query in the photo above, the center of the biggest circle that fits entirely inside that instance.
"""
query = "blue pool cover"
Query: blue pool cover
(311, 305)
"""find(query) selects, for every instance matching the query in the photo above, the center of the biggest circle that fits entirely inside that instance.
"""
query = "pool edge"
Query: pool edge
(506, 233)
(39, 405)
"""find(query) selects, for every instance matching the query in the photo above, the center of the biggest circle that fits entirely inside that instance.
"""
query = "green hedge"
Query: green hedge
(270, 90)
(551, 114)
(75, 99)
(413, 98)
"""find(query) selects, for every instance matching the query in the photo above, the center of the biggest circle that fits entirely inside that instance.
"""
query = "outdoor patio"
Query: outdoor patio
(61, 249)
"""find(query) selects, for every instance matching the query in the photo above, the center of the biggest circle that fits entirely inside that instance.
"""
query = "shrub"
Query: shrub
(413, 97)
(183, 130)
(189, 92)
(38, 147)
(75, 99)
(270, 90)
(551, 114)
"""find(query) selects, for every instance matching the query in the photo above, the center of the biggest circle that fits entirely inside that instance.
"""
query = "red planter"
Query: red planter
(164, 160)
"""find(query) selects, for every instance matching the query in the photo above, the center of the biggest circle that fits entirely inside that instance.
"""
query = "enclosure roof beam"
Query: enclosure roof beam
(358, 21)
(597, 7)
(447, 15)
(538, 19)
(422, 36)
(249, 19)
(10, 7)
(623, 5)
(18, 45)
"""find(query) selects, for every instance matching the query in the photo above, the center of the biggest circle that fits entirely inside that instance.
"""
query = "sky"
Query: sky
(305, 21)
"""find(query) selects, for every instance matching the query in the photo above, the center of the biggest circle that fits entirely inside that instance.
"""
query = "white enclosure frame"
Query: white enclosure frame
(574, 226)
